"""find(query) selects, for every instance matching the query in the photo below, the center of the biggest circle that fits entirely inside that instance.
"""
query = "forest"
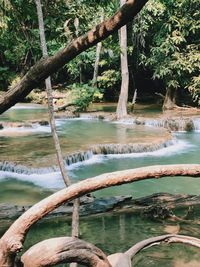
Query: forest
(98, 101)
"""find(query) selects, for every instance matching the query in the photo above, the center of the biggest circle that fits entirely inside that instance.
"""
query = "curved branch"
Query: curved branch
(12, 240)
(47, 66)
(59, 250)
(153, 241)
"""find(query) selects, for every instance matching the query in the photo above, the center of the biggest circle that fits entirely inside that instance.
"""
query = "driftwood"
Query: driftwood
(166, 239)
(11, 242)
(64, 250)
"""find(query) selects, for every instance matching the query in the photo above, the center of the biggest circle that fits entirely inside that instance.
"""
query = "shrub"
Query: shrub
(85, 94)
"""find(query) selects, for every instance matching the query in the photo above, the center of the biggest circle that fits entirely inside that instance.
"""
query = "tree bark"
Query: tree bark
(75, 214)
(98, 53)
(170, 99)
(50, 97)
(64, 250)
(45, 67)
(123, 97)
(11, 242)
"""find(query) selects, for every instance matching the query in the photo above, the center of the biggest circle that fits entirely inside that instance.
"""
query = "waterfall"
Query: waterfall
(196, 122)
(155, 122)
(21, 169)
(175, 124)
(78, 157)
(107, 149)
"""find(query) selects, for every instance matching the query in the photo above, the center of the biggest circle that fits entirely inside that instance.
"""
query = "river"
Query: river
(33, 146)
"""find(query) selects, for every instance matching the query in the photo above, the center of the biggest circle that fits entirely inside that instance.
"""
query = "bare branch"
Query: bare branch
(64, 250)
(167, 239)
(16, 233)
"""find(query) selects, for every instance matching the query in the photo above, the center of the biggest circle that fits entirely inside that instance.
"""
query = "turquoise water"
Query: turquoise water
(111, 233)
(24, 112)
(36, 149)
(187, 152)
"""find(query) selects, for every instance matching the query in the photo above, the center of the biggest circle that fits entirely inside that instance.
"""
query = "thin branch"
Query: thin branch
(166, 239)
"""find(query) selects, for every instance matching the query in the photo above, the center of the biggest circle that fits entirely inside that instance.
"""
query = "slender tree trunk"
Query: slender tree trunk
(98, 53)
(50, 97)
(170, 99)
(75, 215)
(123, 98)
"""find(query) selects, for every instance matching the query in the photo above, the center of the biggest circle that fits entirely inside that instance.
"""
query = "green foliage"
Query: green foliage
(85, 61)
(171, 50)
(109, 79)
(194, 88)
(85, 94)
(19, 34)
(165, 39)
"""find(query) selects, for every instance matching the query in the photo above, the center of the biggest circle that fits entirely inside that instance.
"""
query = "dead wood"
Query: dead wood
(54, 251)
(163, 239)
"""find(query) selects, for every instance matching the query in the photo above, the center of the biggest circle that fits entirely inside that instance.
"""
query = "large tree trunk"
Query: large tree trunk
(11, 242)
(45, 67)
(123, 98)
(170, 99)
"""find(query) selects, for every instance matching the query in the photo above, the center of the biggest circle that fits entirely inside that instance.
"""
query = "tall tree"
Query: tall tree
(75, 215)
(123, 98)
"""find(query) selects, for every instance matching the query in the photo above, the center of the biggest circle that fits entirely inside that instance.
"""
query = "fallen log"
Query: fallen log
(153, 206)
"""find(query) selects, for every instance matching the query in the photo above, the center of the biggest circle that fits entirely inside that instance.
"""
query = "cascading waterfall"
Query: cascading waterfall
(78, 157)
(105, 149)
(108, 149)
(177, 124)
(21, 169)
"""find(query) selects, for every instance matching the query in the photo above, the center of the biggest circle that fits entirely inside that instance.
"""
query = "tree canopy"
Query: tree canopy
(163, 46)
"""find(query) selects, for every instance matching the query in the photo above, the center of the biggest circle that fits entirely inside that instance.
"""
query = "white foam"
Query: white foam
(28, 106)
(125, 121)
(54, 180)
(50, 180)
(35, 128)
(176, 148)
(93, 160)
(196, 122)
